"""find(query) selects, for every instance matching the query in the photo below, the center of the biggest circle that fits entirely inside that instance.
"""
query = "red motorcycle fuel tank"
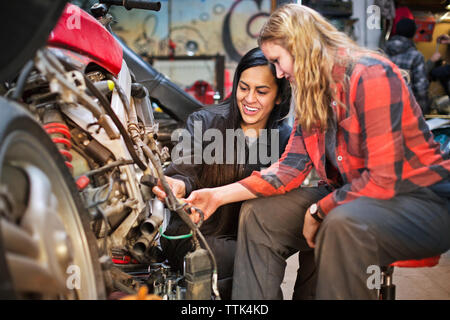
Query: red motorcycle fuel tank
(78, 31)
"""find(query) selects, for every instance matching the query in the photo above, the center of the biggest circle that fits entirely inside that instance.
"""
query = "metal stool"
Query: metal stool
(387, 288)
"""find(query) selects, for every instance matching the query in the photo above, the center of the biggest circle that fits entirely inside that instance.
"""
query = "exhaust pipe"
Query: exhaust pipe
(140, 246)
(151, 225)
(149, 229)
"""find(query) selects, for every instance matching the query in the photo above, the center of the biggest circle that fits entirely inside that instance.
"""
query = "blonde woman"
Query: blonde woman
(384, 196)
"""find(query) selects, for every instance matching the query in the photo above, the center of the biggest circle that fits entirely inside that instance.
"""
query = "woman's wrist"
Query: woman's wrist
(233, 192)
(182, 189)
(219, 195)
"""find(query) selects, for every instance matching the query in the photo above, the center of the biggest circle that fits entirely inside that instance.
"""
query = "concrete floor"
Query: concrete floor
(411, 283)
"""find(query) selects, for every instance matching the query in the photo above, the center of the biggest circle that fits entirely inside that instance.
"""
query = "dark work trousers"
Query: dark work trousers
(223, 248)
(354, 236)
(368, 232)
(270, 231)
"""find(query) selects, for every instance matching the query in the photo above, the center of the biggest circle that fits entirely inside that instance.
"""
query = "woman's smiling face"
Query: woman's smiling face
(256, 96)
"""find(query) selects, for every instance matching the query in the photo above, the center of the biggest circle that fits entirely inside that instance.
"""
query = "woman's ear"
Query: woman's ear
(278, 100)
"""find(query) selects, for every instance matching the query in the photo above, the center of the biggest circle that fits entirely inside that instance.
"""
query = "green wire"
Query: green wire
(183, 236)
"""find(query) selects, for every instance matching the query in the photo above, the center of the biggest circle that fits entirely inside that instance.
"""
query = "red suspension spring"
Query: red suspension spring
(60, 135)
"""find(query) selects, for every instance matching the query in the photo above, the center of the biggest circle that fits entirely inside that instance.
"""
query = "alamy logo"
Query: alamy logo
(74, 279)
(233, 147)
(374, 280)
(74, 20)
(374, 17)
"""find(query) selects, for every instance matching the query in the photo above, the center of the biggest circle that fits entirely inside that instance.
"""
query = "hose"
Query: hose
(183, 236)
(21, 81)
(111, 165)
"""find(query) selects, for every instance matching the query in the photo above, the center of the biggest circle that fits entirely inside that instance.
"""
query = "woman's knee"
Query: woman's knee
(338, 216)
(253, 209)
(259, 219)
(343, 219)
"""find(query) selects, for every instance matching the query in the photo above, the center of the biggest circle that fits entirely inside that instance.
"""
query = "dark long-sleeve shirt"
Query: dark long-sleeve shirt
(215, 117)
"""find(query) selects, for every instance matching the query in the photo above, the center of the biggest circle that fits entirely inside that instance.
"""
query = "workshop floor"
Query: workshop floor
(411, 283)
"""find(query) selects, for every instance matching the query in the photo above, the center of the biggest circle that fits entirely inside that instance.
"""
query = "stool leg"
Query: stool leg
(387, 288)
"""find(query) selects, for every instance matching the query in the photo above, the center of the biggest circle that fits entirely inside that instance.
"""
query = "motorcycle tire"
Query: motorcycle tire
(34, 177)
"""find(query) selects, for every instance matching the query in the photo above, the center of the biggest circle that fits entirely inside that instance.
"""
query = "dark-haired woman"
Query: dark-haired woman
(251, 120)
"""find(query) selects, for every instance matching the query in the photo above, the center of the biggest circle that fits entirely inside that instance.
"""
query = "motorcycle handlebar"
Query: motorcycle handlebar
(134, 4)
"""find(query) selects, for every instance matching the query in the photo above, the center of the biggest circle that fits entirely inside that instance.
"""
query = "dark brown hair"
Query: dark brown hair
(215, 175)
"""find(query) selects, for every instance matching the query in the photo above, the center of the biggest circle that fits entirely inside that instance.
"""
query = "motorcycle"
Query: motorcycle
(79, 154)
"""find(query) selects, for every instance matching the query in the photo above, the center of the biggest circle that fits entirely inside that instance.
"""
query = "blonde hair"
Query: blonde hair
(314, 44)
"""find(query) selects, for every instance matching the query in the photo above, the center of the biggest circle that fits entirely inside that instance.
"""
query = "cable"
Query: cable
(183, 236)
(21, 81)
(117, 163)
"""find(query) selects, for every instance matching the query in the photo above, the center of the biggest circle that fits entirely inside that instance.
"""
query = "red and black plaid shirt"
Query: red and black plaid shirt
(383, 144)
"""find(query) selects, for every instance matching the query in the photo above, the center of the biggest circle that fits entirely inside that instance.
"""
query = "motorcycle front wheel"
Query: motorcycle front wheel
(46, 246)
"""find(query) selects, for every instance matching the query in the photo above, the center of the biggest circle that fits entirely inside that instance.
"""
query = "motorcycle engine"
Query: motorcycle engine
(104, 127)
